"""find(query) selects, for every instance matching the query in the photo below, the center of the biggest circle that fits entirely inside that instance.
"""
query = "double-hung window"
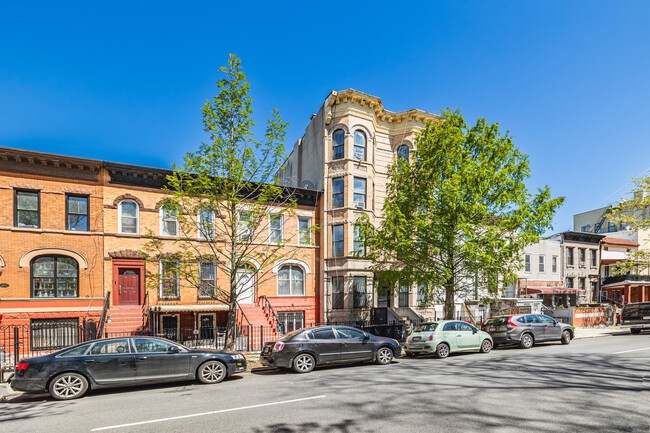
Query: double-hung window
(554, 264)
(359, 247)
(337, 240)
(593, 258)
(569, 256)
(168, 222)
(128, 217)
(582, 256)
(206, 224)
(359, 292)
(169, 281)
(275, 228)
(27, 209)
(403, 152)
(338, 194)
(76, 212)
(245, 227)
(527, 263)
(208, 283)
(304, 231)
(359, 146)
(359, 193)
(337, 293)
(339, 147)
(541, 264)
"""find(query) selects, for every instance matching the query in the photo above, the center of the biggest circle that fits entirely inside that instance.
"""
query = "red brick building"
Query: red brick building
(71, 232)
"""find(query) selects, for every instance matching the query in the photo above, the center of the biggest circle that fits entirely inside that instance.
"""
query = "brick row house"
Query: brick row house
(72, 232)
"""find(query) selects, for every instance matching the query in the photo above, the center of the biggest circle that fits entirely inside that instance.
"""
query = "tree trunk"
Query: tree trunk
(449, 300)
(231, 326)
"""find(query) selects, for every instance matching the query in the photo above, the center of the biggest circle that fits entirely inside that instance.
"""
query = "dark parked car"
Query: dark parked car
(527, 329)
(71, 372)
(304, 349)
(637, 316)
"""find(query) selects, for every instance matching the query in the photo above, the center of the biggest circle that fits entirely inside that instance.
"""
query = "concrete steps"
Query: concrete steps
(126, 319)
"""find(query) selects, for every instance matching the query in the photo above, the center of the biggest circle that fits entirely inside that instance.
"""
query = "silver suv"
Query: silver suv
(527, 329)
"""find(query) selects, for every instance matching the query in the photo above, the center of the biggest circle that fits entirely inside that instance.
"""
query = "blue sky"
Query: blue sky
(125, 81)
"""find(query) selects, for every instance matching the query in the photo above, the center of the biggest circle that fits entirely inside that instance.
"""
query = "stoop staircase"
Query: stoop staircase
(258, 316)
(127, 319)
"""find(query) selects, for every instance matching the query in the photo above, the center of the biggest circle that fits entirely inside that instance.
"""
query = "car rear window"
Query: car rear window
(426, 327)
(496, 321)
(290, 335)
(77, 351)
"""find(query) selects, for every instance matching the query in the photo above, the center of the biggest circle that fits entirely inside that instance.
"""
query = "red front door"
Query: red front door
(129, 286)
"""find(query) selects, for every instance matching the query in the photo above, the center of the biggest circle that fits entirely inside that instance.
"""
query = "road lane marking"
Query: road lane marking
(633, 350)
(207, 413)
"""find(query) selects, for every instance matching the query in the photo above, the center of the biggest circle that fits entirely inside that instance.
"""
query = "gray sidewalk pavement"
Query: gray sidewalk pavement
(601, 331)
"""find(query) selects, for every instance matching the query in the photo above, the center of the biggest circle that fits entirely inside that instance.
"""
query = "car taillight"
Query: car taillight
(22, 366)
(278, 346)
(430, 337)
(511, 324)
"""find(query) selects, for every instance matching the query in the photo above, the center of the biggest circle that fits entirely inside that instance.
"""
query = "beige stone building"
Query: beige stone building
(346, 150)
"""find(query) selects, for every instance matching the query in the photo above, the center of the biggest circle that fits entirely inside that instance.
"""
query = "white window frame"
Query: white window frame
(200, 295)
(199, 219)
(541, 265)
(527, 263)
(307, 232)
(355, 193)
(245, 230)
(120, 216)
(272, 230)
(355, 145)
(554, 264)
(160, 282)
(304, 278)
(162, 220)
(178, 324)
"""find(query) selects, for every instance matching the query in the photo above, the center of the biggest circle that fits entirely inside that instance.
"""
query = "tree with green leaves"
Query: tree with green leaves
(458, 212)
(633, 211)
(222, 201)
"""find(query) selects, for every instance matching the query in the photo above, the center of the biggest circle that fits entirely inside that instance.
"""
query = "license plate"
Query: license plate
(492, 329)
(416, 338)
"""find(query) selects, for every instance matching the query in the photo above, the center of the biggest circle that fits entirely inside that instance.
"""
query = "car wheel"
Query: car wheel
(304, 363)
(486, 346)
(212, 372)
(68, 386)
(442, 351)
(526, 341)
(566, 337)
(384, 356)
(635, 331)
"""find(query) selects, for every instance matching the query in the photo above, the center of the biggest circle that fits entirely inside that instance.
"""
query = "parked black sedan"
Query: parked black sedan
(304, 349)
(71, 372)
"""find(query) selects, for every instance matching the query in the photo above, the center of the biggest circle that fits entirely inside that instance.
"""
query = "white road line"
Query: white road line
(633, 350)
(206, 413)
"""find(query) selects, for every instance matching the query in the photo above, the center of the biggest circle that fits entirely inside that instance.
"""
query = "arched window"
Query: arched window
(339, 147)
(55, 277)
(359, 146)
(403, 152)
(291, 281)
(129, 215)
(168, 222)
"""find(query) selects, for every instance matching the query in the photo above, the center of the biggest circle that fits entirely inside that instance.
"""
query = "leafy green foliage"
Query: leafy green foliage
(458, 215)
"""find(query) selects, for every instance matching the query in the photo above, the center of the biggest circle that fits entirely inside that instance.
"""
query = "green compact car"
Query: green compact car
(446, 336)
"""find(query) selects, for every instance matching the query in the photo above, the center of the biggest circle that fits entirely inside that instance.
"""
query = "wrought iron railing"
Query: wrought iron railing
(102, 320)
(625, 277)
(264, 302)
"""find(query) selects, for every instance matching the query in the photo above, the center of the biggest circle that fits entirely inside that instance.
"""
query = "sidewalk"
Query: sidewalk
(601, 331)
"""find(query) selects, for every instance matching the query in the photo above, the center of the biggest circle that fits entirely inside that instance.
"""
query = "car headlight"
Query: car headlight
(238, 356)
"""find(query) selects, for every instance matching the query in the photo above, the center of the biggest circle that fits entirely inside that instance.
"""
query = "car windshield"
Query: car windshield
(426, 327)
(496, 321)
(290, 335)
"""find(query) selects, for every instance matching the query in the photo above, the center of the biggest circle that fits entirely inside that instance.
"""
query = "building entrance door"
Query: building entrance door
(245, 286)
(129, 286)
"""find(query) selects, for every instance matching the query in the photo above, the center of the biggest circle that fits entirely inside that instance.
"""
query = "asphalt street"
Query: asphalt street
(594, 384)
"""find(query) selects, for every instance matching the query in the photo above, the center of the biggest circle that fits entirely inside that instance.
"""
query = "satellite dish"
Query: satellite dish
(307, 184)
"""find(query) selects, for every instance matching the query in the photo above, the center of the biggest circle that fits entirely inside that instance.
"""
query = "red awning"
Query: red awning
(551, 290)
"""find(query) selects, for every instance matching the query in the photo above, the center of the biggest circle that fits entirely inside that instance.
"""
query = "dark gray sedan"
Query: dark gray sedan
(304, 349)
(71, 372)
(526, 330)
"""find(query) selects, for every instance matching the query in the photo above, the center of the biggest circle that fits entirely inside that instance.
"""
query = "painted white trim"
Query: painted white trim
(308, 218)
(199, 233)
(161, 213)
(178, 323)
(137, 217)
(281, 216)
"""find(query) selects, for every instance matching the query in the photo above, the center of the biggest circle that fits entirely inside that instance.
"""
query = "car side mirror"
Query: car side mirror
(474, 331)
(173, 349)
(366, 336)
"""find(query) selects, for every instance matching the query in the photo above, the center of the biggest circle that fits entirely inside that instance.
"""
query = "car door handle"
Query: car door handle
(141, 358)
(89, 361)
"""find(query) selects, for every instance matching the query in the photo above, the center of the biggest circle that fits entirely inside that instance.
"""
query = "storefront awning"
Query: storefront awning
(189, 308)
(552, 290)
